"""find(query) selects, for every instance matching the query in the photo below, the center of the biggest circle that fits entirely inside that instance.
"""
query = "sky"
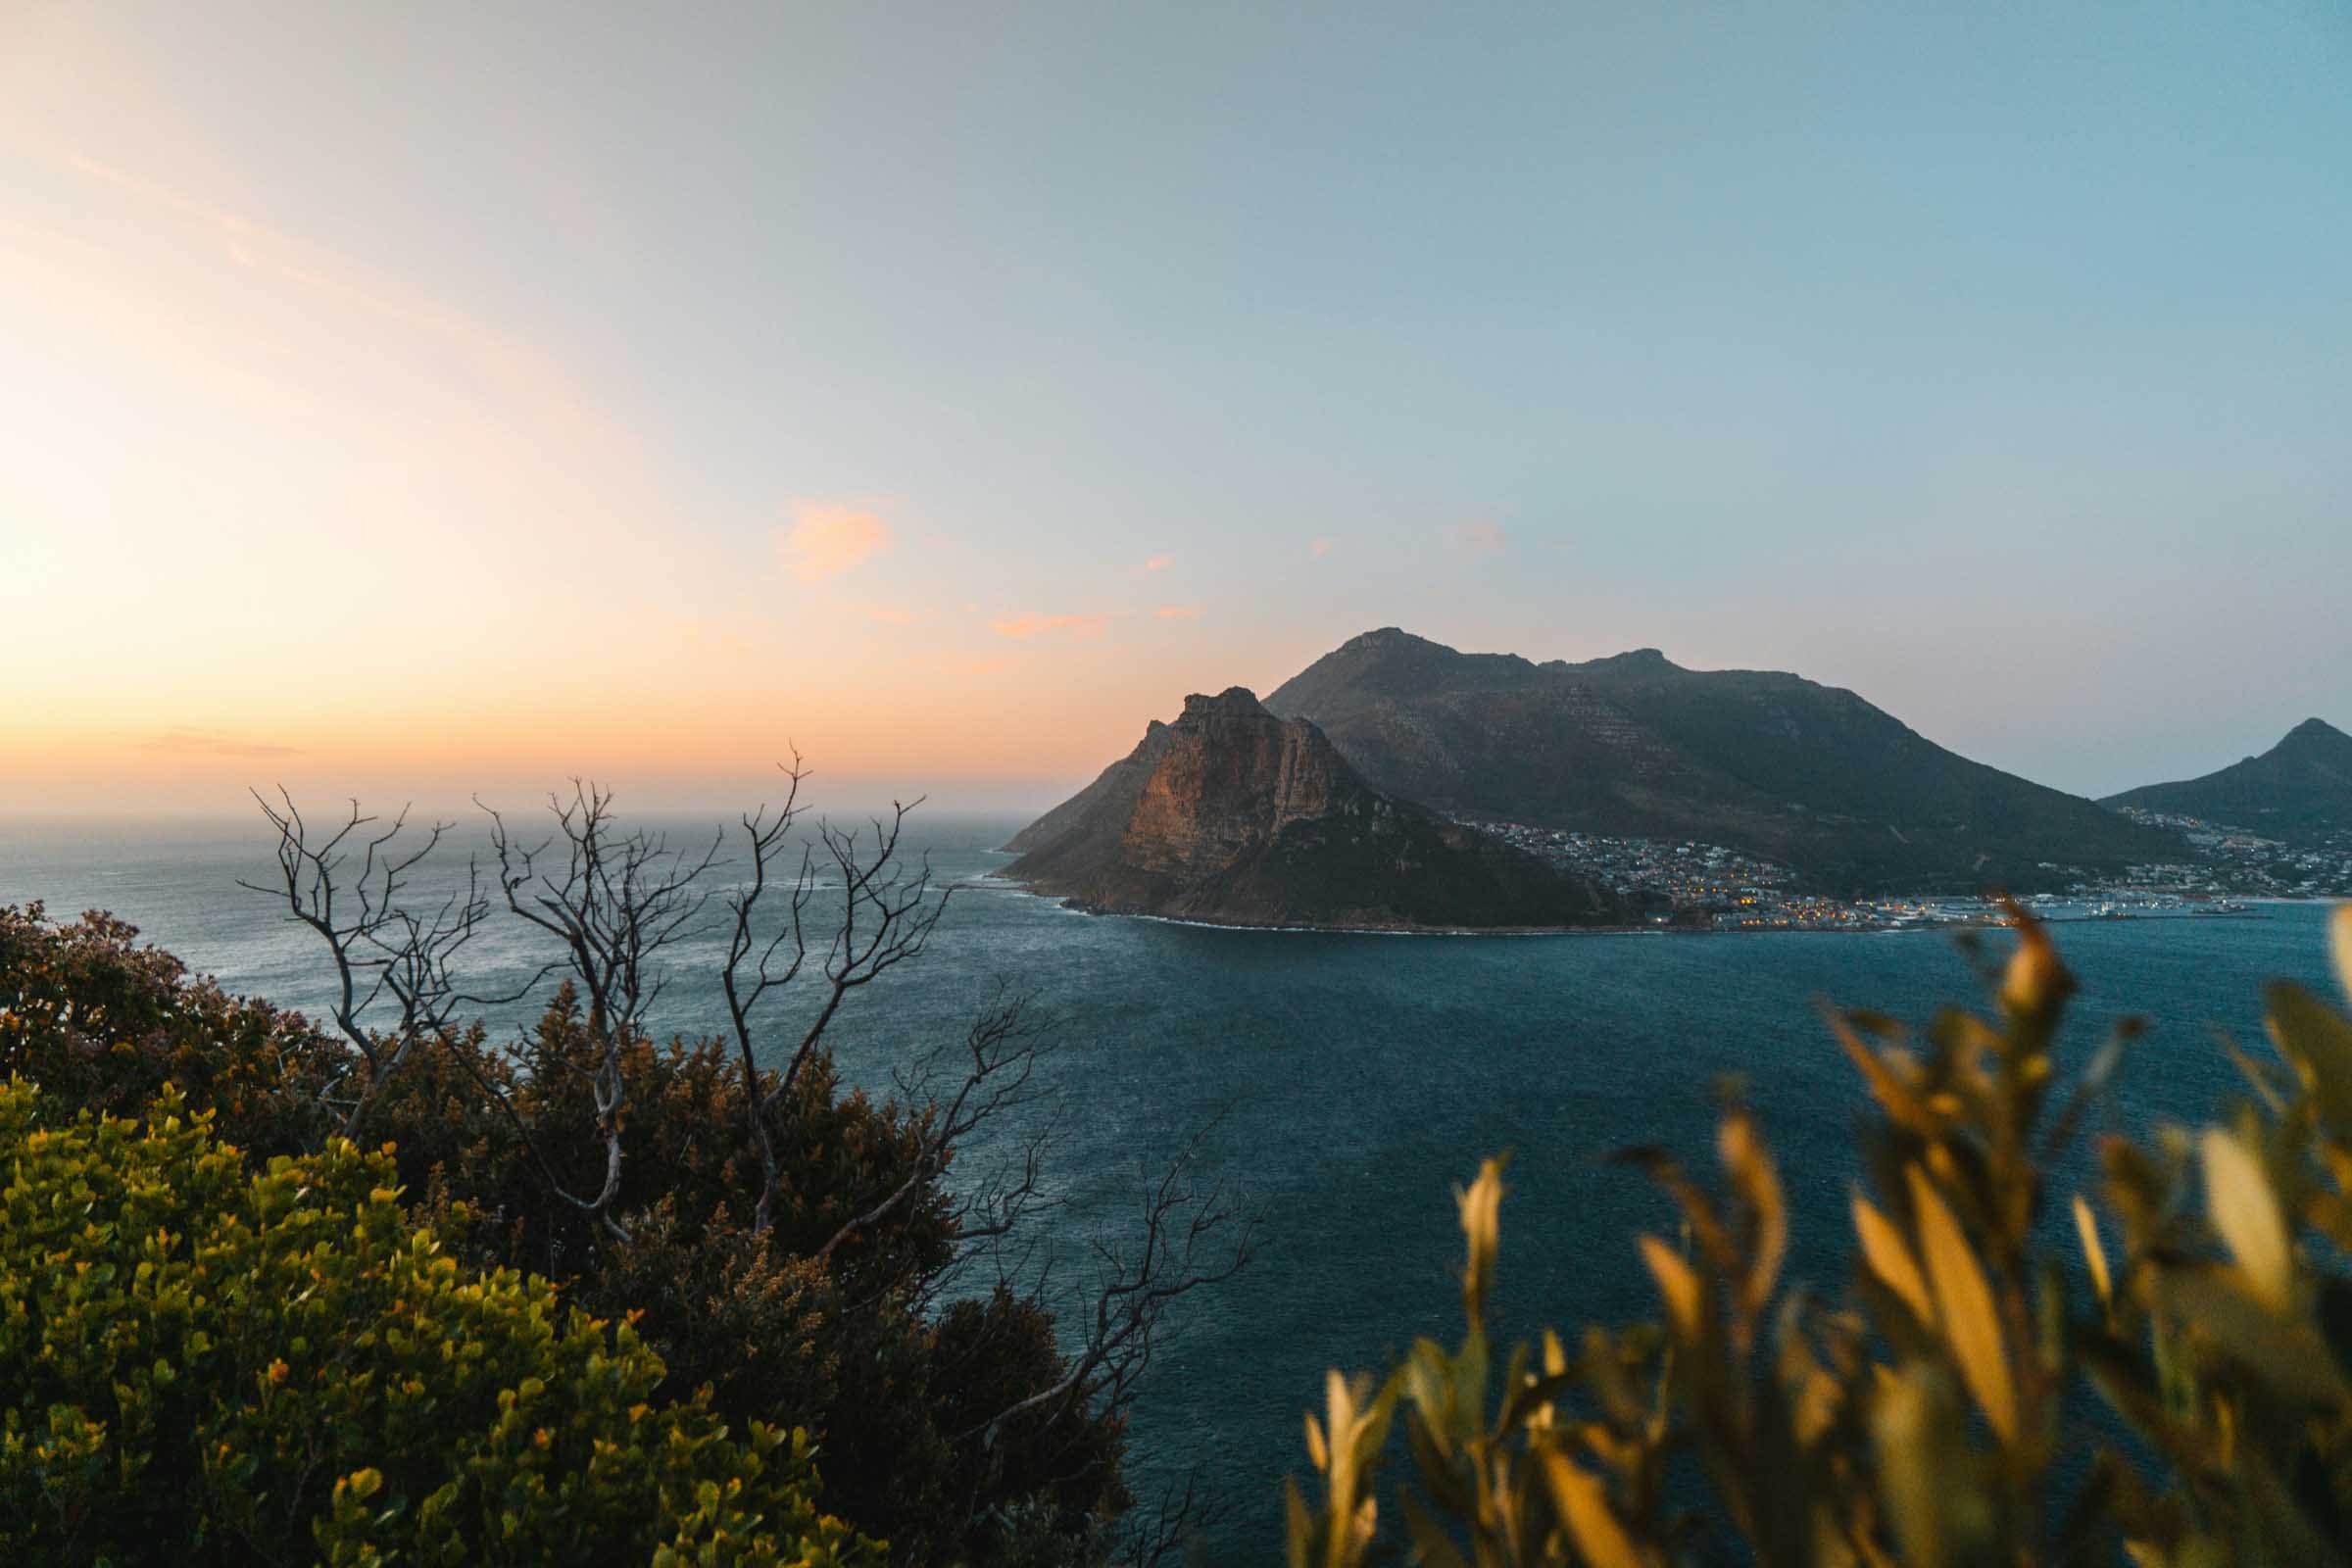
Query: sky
(411, 400)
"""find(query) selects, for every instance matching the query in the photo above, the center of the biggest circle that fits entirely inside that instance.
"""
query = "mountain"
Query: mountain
(1233, 816)
(1636, 746)
(2301, 786)
(1105, 804)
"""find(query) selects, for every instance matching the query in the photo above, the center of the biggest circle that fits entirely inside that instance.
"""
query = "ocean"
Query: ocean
(1351, 1080)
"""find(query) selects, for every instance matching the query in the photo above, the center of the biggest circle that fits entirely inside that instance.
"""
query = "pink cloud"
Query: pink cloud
(1319, 549)
(1032, 624)
(893, 616)
(1177, 613)
(827, 540)
(1159, 562)
(1480, 539)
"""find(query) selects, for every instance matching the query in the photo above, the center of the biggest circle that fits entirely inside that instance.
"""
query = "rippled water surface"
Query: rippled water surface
(1357, 1078)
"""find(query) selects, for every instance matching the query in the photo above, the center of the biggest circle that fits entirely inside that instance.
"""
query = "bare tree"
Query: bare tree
(616, 901)
(888, 914)
(820, 915)
(1193, 1234)
(381, 948)
(999, 1061)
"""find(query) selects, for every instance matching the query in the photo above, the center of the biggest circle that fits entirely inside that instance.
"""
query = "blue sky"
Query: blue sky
(1991, 360)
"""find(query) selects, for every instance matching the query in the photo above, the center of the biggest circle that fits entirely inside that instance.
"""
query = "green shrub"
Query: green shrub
(854, 1346)
(1920, 1422)
(102, 1022)
(199, 1363)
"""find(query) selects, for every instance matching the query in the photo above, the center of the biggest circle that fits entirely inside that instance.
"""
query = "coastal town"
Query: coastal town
(2244, 863)
(1714, 887)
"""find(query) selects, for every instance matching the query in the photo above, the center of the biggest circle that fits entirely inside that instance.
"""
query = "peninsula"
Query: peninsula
(1232, 815)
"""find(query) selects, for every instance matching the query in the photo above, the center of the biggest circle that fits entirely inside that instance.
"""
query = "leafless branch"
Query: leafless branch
(1000, 1057)
(615, 901)
(378, 947)
(1193, 1234)
(1182, 1511)
(754, 969)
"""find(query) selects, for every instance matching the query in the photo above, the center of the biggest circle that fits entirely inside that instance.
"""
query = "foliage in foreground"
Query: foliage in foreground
(1924, 1422)
(202, 1363)
(831, 1319)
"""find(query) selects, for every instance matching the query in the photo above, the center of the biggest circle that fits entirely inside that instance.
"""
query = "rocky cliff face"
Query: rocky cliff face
(1232, 814)
(1232, 777)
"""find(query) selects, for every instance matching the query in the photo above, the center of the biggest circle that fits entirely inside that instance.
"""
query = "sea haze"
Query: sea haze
(1358, 1077)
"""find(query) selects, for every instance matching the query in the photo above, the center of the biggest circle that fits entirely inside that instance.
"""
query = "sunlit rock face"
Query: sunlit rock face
(1232, 814)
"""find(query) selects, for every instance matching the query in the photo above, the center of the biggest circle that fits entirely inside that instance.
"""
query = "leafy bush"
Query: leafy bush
(853, 1346)
(849, 1345)
(1921, 1422)
(101, 1022)
(201, 1364)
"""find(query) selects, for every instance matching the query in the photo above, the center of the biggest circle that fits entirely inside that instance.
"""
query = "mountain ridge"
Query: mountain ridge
(2303, 784)
(1633, 745)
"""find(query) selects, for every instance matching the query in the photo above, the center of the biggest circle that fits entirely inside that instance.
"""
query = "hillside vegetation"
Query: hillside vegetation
(1635, 746)
(2298, 789)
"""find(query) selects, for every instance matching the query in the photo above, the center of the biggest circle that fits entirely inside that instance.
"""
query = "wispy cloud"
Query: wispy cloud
(894, 614)
(826, 540)
(1480, 539)
(1034, 624)
(1320, 548)
(184, 742)
(1159, 562)
(1177, 613)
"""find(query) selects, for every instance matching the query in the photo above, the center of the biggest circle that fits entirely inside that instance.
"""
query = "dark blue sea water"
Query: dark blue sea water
(1357, 1077)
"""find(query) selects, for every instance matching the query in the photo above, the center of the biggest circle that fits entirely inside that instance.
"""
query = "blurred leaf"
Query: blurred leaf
(2093, 1255)
(2244, 1210)
(1924, 1472)
(1584, 1504)
(1750, 1166)
(2318, 1040)
(1902, 1105)
(1480, 1206)
(2287, 1354)
(1965, 1308)
(1677, 1283)
(2339, 934)
(1430, 1544)
(1890, 1258)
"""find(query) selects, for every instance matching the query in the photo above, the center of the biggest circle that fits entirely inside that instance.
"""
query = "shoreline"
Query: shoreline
(1989, 920)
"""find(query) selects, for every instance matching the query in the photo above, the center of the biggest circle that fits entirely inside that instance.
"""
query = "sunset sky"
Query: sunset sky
(418, 399)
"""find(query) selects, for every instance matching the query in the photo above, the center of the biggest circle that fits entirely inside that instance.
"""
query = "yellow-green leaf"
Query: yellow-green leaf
(1890, 1258)
(2339, 931)
(1585, 1505)
(1750, 1167)
(1964, 1306)
(1480, 1204)
(2244, 1210)
(2095, 1255)
(2318, 1040)
(1677, 1283)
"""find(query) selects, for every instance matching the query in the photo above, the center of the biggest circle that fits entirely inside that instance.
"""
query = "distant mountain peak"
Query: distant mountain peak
(2302, 784)
(1387, 637)
(1634, 745)
(1234, 701)
(1638, 659)
(2315, 729)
